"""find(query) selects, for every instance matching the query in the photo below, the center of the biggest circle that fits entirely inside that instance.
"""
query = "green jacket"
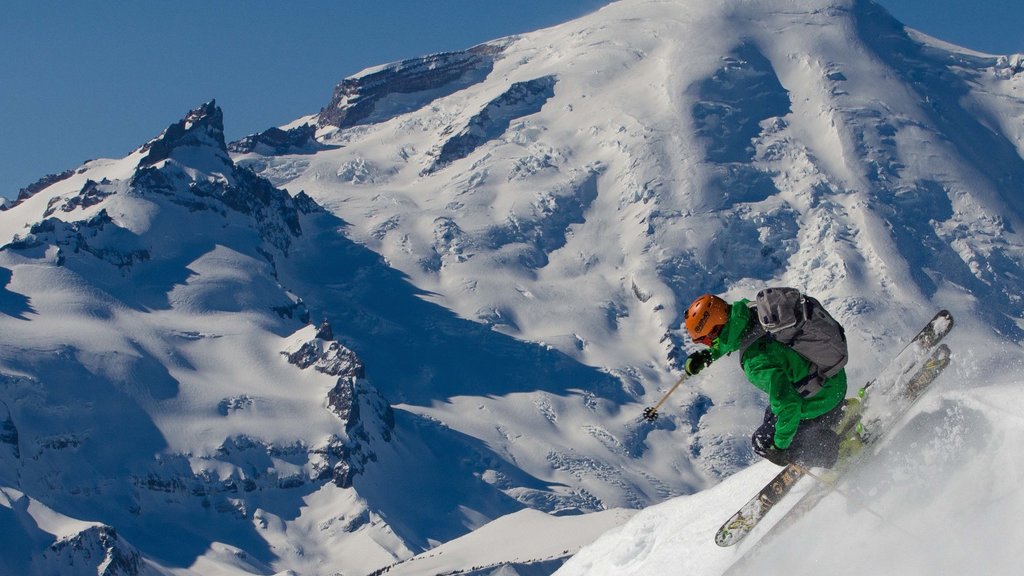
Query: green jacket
(774, 368)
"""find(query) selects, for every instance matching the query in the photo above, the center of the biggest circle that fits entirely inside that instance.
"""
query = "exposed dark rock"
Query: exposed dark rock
(234, 404)
(329, 358)
(366, 414)
(40, 185)
(8, 431)
(203, 126)
(278, 142)
(257, 197)
(305, 203)
(372, 97)
(275, 214)
(521, 99)
(273, 211)
(76, 236)
(91, 194)
(342, 474)
(324, 331)
(152, 181)
(342, 401)
(100, 549)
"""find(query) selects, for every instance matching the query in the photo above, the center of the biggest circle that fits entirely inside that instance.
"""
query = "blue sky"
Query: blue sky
(89, 79)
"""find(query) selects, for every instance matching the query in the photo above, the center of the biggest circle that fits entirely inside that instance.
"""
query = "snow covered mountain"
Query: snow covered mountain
(346, 344)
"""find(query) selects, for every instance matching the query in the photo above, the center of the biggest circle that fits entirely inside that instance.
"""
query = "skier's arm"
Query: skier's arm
(770, 375)
(785, 404)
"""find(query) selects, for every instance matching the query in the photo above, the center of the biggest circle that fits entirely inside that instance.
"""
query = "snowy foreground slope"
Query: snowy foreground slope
(414, 332)
(948, 487)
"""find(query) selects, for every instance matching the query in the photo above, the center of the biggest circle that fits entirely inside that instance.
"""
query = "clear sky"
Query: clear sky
(87, 79)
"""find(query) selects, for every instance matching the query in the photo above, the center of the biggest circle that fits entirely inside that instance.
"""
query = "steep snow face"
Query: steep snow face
(605, 172)
(684, 149)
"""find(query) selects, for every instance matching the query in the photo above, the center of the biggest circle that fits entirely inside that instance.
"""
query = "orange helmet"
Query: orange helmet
(706, 317)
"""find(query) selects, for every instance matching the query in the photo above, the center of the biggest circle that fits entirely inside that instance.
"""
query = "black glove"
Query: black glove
(776, 455)
(698, 361)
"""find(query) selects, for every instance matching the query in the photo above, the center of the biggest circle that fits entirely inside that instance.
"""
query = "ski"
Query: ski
(912, 388)
(750, 514)
(744, 520)
(876, 415)
(925, 375)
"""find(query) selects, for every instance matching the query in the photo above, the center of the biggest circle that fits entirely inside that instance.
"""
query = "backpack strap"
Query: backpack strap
(810, 384)
(754, 333)
(805, 387)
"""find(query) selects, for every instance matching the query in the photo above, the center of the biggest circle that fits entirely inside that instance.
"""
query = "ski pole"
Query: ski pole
(651, 412)
(832, 485)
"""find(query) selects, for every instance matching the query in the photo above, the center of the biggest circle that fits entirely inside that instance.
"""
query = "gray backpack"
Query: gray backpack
(802, 323)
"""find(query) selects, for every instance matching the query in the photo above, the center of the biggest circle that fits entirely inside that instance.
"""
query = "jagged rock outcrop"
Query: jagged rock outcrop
(86, 236)
(365, 412)
(274, 212)
(328, 357)
(8, 431)
(32, 189)
(521, 99)
(91, 194)
(402, 87)
(188, 165)
(202, 127)
(95, 550)
(277, 142)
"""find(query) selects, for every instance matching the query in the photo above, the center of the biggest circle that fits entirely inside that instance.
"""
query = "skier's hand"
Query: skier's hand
(698, 361)
(776, 455)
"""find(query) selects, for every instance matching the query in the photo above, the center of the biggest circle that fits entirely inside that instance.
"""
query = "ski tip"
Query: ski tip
(725, 539)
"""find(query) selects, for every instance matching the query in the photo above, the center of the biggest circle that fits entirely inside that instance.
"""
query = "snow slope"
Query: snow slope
(948, 488)
(443, 301)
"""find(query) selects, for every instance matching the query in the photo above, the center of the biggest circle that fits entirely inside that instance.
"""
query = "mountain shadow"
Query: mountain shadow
(11, 303)
(415, 351)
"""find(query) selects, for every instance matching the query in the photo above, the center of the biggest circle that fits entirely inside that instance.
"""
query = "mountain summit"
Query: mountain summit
(203, 127)
(501, 242)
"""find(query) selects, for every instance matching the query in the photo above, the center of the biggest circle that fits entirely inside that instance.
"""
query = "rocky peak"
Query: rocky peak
(212, 180)
(97, 549)
(202, 127)
(367, 415)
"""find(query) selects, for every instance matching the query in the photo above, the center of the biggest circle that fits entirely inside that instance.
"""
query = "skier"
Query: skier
(800, 419)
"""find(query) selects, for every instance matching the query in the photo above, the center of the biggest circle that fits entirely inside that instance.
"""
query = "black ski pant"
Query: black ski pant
(815, 444)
